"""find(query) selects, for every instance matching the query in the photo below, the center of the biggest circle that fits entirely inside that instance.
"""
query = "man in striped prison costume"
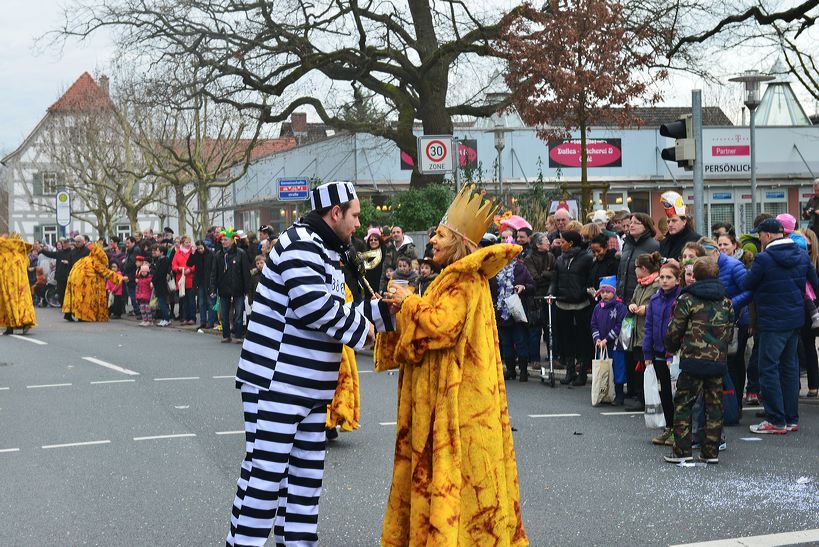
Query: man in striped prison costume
(289, 369)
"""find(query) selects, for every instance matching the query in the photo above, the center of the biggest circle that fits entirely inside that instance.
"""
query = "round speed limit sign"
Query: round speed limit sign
(435, 153)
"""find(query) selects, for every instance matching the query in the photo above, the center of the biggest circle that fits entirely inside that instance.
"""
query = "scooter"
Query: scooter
(548, 377)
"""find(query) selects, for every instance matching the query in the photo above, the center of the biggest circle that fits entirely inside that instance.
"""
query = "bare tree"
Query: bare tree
(270, 57)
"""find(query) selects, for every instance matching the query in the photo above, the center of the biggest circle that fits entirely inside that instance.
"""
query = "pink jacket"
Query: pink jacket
(143, 288)
(112, 287)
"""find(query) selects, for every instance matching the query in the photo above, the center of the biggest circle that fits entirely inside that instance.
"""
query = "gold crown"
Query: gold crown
(469, 215)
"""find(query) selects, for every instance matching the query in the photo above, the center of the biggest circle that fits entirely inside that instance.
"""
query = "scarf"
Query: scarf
(739, 253)
(505, 289)
(649, 279)
(185, 249)
(331, 240)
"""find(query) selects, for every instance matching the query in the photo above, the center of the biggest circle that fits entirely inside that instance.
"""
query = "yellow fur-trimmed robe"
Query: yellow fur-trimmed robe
(16, 305)
(345, 409)
(85, 296)
(455, 480)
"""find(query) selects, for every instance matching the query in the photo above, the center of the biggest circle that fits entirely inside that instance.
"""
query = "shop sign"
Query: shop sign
(722, 195)
(775, 195)
(599, 153)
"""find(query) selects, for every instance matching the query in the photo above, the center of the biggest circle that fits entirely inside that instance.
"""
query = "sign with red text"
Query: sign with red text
(599, 153)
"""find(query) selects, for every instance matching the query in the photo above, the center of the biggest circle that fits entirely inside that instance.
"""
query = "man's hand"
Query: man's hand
(633, 308)
(370, 337)
(519, 288)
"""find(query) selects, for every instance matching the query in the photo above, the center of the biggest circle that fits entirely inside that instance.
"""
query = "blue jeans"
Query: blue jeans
(187, 305)
(162, 308)
(534, 336)
(132, 297)
(513, 339)
(238, 305)
(779, 376)
(206, 308)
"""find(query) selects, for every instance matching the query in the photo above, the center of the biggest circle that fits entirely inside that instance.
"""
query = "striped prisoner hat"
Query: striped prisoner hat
(332, 193)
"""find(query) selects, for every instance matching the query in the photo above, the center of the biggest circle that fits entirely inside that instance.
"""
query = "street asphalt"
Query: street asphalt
(141, 445)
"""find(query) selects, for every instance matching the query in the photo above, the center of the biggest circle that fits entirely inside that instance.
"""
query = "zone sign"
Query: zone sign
(436, 154)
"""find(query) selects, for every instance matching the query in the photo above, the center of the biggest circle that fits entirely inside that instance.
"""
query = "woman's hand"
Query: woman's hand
(519, 288)
(395, 296)
(633, 308)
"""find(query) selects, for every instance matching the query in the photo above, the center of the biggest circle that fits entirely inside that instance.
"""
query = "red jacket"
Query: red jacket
(180, 263)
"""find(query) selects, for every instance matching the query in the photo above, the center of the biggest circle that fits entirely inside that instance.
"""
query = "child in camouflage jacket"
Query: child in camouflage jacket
(701, 329)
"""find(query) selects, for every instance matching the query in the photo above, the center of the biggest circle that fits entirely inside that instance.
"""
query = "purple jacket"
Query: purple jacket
(658, 316)
(607, 318)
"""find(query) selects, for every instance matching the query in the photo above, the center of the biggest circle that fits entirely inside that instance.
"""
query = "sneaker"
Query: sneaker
(708, 460)
(812, 393)
(695, 446)
(636, 406)
(723, 446)
(8, 331)
(26, 329)
(767, 428)
(238, 340)
(751, 399)
(673, 458)
(665, 438)
(792, 428)
(226, 340)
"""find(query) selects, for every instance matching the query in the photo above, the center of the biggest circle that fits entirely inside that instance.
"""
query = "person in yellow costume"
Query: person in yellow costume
(16, 305)
(345, 409)
(455, 480)
(85, 297)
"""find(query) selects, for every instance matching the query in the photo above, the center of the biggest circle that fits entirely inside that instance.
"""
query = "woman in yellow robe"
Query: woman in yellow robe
(85, 297)
(16, 304)
(455, 479)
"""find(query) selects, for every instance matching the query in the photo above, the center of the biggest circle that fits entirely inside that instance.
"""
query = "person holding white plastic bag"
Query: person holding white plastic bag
(701, 329)
(607, 318)
(658, 314)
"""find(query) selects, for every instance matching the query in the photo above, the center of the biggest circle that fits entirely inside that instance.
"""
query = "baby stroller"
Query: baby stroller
(548, 377)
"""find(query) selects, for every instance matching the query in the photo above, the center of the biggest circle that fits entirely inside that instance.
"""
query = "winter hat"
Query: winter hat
(787, 221)
(673, 204)
(769, 226)
(332, 193)
(600, 217)
(608, 283)
(515, 222)
(139, 257)
(373, 232)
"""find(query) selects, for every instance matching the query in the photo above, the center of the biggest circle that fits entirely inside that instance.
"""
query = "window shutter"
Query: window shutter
(38, 184)
(38, 233)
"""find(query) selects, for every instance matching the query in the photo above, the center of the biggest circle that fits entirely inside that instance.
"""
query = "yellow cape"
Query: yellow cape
(16, 304)
(455, 480)
(85, 296)
(345, 409)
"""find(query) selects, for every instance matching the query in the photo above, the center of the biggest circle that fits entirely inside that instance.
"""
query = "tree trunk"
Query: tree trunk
(202, 195)
(181, 207)
(585, 189)
(132, 215)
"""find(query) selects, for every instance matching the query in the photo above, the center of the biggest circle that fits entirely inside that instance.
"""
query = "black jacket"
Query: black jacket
(541, 266)
(203, 262)
(129, 269)
(626, 277)
(571, 277)
(606, 267)
(672, 245)
(160, 269)
(231, 273)
(63, 258)
(76, 254)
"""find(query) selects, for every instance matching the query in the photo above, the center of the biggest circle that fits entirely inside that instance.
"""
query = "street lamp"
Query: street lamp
(752, 79)
(499, 130)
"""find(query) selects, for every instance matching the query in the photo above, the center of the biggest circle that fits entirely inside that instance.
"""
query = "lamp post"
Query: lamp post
(499, 130)
(752, 79)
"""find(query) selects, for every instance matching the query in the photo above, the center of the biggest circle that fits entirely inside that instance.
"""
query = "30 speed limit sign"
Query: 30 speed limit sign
(436, 154)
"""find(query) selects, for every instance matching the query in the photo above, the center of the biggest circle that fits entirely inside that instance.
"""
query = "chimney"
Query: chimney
(104, 83)
(298, 121)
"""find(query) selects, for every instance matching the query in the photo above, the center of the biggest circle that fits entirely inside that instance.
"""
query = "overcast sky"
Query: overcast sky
(34, 77)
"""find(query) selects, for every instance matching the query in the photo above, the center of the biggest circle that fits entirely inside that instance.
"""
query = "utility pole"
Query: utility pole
(699, 175)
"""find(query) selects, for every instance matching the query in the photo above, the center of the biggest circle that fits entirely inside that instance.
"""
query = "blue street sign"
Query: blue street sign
(292, 189)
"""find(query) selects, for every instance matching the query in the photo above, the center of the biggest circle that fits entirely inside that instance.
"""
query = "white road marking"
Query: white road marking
(112, 382)
(365, 371)
(47, 385)
(237, 432)
(627, 413)
(112, 366)
(153, 437)
(174, 379)
(387, 423)
(29, 339)
(231, 376)
(553, 415)
(4, 388)
(787, 538)
(182, 407)
(4, 450)
(66, 445)
(757, 408)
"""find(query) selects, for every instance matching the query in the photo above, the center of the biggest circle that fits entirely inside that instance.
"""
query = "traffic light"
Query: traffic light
(683, 150)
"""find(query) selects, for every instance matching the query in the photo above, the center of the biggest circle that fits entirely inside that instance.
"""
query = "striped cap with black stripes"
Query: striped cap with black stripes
(332, 193)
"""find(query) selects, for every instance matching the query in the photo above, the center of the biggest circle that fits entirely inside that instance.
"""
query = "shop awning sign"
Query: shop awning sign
(599, 153)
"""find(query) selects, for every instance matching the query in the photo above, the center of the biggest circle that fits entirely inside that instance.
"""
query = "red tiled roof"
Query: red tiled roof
(267, 147)
(84, 94)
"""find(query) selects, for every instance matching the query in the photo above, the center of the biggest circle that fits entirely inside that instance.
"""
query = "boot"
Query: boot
(571, 374)
(619, 395)
(524, 371)
(510, 370)
(581, 379)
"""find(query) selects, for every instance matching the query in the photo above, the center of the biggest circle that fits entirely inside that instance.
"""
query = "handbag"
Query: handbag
(515, 307)
(171, 283)
(654, 408)
(733, 346)
(182, 285)
(602, 388)
(627, 332)
(154, 302)
(110, 299)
